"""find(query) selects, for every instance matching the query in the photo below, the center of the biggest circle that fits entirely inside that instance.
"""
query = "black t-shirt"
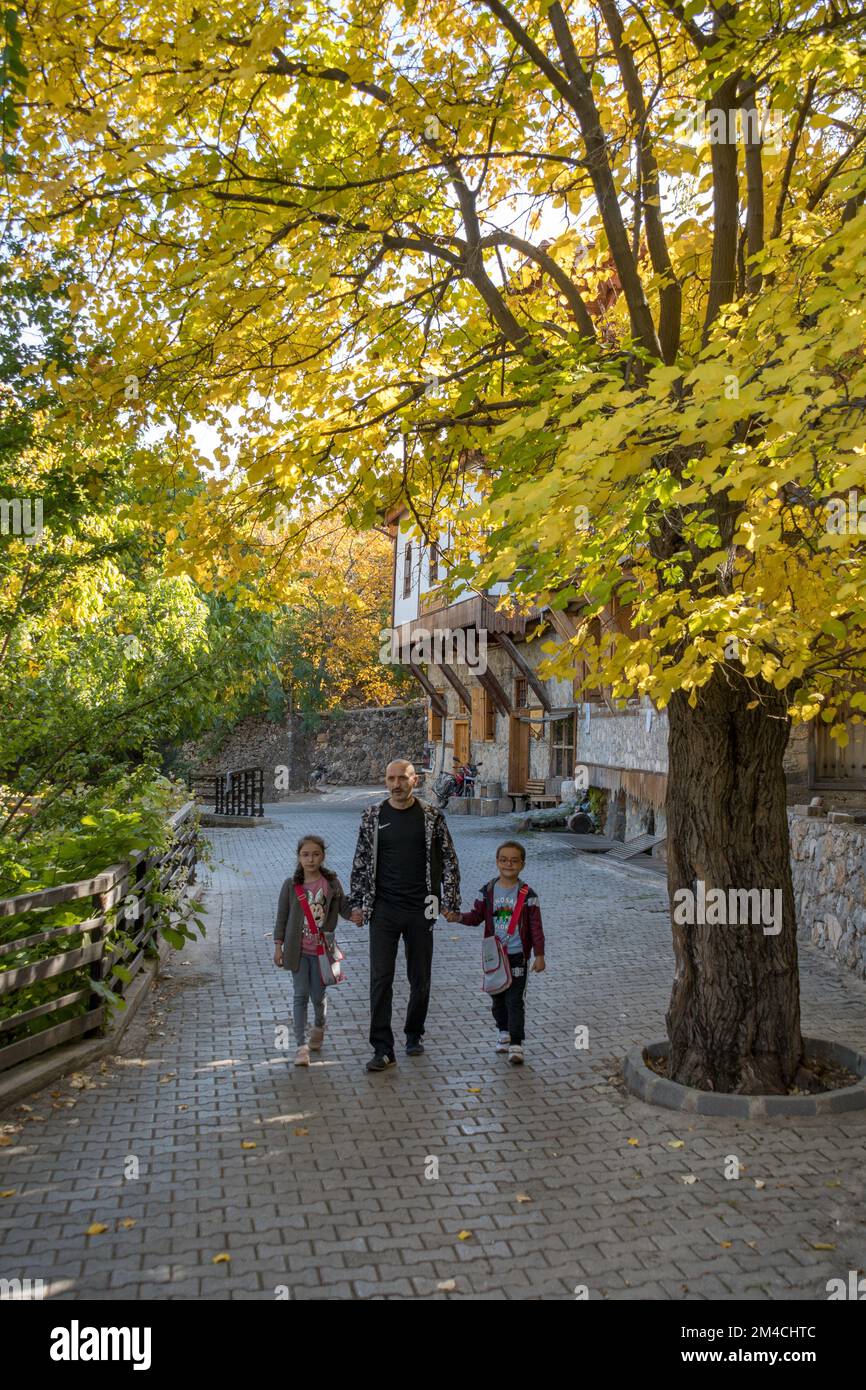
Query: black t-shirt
(401, 857)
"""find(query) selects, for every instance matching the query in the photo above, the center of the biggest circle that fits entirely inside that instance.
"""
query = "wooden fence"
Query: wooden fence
(120, 883)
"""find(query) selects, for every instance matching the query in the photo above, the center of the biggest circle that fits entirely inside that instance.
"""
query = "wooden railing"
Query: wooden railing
(121, 883)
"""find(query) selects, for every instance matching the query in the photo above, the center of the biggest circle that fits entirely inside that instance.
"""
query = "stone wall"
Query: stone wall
(828, 864)
(354, 746)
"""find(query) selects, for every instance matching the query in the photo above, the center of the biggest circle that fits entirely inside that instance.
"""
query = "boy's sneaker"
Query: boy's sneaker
(316, 1036)
(302, 1056)
(380, 1060)
(414, 1047)
(515, 1054)
(502, 1042)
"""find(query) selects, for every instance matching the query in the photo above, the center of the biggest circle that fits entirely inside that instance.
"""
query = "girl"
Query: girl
(297, 945)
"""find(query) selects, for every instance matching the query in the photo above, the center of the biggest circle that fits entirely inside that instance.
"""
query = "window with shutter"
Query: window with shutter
(407, 570)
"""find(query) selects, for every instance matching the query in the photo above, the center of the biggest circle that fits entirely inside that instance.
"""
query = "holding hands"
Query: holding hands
(357, 916)
(451, 916)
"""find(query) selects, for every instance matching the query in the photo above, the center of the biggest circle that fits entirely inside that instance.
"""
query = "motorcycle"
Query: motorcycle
(458, 783)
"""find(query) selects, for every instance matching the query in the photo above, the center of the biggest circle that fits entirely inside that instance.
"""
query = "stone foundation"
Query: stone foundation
(828, 864)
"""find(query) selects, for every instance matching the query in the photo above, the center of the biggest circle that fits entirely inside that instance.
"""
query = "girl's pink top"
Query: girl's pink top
(317, 894)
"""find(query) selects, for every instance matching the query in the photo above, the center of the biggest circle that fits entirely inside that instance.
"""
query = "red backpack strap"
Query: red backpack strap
(522, 895)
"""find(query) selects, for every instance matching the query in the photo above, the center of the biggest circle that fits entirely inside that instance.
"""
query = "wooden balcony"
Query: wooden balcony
(477, 612)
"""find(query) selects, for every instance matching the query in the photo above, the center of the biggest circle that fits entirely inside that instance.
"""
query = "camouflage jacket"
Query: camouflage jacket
(443, 871)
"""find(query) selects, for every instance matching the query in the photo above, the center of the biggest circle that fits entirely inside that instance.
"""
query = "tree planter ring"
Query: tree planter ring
(644, 1083)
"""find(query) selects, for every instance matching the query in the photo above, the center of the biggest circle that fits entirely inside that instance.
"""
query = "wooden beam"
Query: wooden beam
(525, 669)
(454, 680)
(561, 623)
(436, 698)
(494, 690)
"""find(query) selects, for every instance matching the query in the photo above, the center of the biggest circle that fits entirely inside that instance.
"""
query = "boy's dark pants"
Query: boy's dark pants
(387, 925)
(508, 1010)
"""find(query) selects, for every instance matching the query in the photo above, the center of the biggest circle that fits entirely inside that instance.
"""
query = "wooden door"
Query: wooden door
(461, 740)
(518, 754)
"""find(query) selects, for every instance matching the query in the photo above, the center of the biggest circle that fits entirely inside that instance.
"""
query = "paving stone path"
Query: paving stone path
(361, 1186)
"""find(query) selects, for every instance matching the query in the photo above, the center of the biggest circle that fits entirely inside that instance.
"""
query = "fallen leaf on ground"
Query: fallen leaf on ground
(726, 1244)
(169, 1076)
(688, 1179)
(5, 1141)
(10, 1192)
(222, 1259)
(248, 1143)
(523, 1197)
(447, 1285)
(96, 1229)
(183, 1107)
(819, 1245)
(302, 1131)
(759, 1182)
(464, 1235)
(127, 1223)
(635, 1143)
(676, 1143)
(474, 1090)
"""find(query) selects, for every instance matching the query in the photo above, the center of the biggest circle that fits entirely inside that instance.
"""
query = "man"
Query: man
(404, 874)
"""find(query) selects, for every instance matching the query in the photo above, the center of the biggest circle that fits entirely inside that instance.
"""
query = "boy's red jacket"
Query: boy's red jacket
(529, 926)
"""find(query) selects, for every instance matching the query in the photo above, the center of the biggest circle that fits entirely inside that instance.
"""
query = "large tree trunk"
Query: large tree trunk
(734, 1015)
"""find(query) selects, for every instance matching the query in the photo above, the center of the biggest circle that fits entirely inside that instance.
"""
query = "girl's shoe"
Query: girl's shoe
(316, 1036)
(502, 1042)
(515, 1054)
(302, 1056)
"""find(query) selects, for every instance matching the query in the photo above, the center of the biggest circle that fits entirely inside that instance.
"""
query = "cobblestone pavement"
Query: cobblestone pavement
(559, 1178)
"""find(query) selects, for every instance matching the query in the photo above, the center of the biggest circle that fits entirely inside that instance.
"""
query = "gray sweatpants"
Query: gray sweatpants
(308, 984)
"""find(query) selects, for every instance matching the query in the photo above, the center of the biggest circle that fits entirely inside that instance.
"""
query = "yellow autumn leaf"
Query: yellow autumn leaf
(127, 1223)
(464, 1235)
(250, 1143)
(9, 1192)
(97, 1229)
(221, 1259)
(635, 1143)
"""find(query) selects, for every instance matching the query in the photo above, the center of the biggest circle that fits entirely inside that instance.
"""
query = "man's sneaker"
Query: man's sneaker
(316, 1036)
(502, 1042)
(380, 1060)
(515, 1055)
(302, 1056)
(414, 1047)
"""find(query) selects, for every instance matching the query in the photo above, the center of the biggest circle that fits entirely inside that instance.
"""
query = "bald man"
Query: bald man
(405, 873)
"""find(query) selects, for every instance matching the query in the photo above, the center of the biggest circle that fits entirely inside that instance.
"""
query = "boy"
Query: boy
(494, 907)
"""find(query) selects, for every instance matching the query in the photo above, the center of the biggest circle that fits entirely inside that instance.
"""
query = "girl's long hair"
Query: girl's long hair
(298, 876)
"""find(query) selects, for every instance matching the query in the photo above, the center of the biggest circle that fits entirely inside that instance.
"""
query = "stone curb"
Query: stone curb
(658, 1090)
(32, 1076)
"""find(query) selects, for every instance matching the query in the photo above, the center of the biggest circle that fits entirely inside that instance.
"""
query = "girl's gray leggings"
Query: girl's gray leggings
(308, 984)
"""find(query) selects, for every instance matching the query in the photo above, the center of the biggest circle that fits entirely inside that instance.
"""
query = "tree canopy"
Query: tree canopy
(359, 242)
